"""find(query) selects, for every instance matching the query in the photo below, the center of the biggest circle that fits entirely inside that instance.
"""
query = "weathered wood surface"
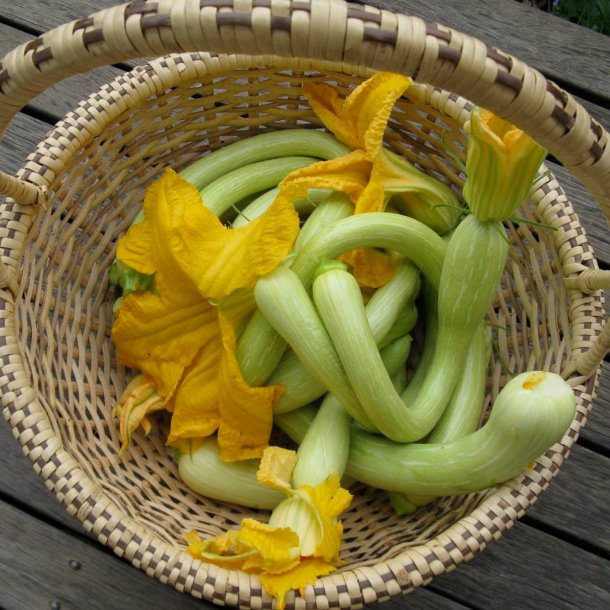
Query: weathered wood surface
(557, 557)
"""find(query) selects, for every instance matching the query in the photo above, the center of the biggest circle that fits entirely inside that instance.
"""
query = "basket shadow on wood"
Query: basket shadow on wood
(97, 164)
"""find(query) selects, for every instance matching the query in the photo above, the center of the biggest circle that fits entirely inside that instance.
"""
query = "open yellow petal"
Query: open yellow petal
(327, 103)
(370, 105)
(195, 413)
(349, 174)
(160, 335)
(306, 572)
(219, 260)
(275, 545)
(329, 500)
(371, 268)
(360, 120)
(276, 468)
(246, 413)
(145, 245)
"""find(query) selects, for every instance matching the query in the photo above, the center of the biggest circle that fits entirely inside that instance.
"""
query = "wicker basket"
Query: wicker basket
(84, 183)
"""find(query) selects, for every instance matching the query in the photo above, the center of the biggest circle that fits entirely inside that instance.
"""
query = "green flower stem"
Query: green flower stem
(270, 145)
(325, 448)
(226, 191)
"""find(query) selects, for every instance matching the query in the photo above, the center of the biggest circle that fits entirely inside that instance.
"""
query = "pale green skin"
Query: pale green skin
(523, 424)
(205, 473)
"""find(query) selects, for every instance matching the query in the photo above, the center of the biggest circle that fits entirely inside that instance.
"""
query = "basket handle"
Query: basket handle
(333, 30)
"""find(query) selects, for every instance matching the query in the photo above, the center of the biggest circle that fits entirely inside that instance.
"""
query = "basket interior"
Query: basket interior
(64, 309)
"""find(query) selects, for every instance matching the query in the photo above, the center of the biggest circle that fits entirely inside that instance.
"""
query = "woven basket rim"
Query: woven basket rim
(501, 506)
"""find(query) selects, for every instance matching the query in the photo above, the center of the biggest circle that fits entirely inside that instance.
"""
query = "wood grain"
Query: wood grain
(530, 570)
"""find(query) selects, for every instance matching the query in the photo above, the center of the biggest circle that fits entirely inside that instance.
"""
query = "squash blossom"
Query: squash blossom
(501, 164)
(372, 175)
(301, 540)
(181, 336)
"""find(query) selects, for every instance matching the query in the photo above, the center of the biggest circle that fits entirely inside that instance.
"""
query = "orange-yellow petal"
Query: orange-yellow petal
(219, 260)
(327, 103)
(349, 174)
(278, 546)
(160, 335)
(371, 268)
(246, 413)
(370, 105)
(145, 245)
(139, 399)
(306, 572)
(275, 469)
(360, 121)
(195, 413)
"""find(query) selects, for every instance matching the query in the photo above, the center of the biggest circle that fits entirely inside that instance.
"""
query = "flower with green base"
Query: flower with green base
(501, 164)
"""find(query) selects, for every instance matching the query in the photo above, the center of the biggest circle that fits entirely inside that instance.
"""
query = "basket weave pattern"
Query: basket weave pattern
(59, 376)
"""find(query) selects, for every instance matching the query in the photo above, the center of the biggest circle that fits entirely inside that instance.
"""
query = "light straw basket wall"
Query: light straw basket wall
(81, 187)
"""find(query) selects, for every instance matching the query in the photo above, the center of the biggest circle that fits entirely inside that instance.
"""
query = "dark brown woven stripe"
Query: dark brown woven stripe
(300, 6)
(93, 36)
(281, 22)
(433, 30)
(597, 129)
(562, 117)
(357, 13)
(382, 36)
(244, 19)
(449, 53)
(508, 80)
(152, 20)
(82, 24)
(596, 151)
(493, 54)
(139, 8)
(34, 44)
(44, 54)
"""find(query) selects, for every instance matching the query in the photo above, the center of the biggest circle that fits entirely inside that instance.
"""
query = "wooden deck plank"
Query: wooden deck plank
(597, 430)
(34, 575)
(577, 500)
(530, 570)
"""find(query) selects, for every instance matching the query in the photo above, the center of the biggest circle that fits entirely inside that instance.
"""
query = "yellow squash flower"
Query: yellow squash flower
(501, 164)
(182, 335)
(372, 175)
(301, 541)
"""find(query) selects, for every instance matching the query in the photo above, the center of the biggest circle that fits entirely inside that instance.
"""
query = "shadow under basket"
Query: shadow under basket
(62, 380)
